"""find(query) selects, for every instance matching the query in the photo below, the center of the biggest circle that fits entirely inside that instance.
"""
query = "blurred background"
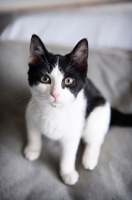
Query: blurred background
(105, 23)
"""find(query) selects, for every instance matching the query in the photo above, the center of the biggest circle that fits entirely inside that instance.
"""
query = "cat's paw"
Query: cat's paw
(71, 178)
(31, 154)
(89, 163)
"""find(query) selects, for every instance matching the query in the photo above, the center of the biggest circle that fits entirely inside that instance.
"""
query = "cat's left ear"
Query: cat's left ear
(37, 49)
(79, 55)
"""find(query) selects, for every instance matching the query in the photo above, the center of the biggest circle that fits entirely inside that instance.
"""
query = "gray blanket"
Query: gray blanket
(111, 71)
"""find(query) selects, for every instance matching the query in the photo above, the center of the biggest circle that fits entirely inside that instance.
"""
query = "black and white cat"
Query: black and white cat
(65, 106)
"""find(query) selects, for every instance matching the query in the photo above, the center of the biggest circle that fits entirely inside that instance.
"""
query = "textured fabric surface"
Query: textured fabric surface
(20, 179)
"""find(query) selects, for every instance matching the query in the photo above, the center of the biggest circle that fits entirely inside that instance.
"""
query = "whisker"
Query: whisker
(23, 88)
(23, 107)
(32, 105)
(25, 98)
(89, 106)
(47, 63)
(42, 60)
(69, 67)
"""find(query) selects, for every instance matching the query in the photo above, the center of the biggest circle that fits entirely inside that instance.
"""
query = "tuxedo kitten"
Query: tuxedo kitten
(65, 106)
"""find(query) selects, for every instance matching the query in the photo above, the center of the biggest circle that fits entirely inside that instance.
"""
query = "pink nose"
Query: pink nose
(55, 95)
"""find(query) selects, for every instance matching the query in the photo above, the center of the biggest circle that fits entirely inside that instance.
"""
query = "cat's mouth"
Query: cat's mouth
(55, 104)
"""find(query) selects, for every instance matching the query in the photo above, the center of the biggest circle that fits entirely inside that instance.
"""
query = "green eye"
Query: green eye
(69, 81)
(45, 79)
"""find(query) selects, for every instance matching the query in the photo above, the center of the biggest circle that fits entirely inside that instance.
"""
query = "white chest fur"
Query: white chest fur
(57, 122)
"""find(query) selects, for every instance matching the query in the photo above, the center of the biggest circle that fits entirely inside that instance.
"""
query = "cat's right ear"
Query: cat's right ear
(37, 49)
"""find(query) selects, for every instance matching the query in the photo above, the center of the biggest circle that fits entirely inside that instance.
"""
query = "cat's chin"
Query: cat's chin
(59, 104)
(54, 104)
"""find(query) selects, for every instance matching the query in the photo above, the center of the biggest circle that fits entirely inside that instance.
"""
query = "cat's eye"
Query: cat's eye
(45, 79)
(69, 81)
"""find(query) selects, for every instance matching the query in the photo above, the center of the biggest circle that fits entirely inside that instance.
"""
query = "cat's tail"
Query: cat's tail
(120, 119)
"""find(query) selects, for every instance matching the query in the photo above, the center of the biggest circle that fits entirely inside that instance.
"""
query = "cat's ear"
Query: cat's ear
(37, 49)
(79, 55)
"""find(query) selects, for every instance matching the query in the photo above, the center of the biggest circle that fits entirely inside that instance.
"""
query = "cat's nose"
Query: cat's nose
(55, 95)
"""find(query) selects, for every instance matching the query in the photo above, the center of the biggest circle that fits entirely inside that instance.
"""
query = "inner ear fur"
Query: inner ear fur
(79, 55)
(37, 49)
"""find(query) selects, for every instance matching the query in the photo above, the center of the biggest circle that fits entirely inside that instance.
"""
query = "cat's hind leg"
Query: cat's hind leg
(95, 130)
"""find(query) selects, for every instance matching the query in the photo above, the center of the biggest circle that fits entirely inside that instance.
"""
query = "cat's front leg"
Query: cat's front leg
(34, 143)
(67, 164)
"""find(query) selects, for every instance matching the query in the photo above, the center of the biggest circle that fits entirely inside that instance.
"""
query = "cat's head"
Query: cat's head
(57, 79)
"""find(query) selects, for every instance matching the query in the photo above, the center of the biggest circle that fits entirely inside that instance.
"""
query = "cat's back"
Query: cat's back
(93, 97)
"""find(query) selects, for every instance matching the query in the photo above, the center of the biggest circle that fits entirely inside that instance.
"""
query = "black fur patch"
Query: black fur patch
(93, 96)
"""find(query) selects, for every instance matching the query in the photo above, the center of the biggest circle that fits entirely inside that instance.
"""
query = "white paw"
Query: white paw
(70, 179)
(31, 154)
(89, 163)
